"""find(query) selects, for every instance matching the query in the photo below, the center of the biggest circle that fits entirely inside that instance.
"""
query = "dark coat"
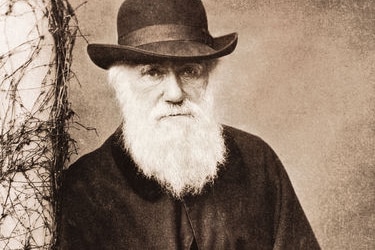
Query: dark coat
(251, 205)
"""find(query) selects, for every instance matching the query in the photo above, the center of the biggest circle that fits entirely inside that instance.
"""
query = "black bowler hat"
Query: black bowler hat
(154, 30)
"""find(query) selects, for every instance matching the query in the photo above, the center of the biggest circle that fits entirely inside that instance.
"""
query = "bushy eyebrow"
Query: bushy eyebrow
(208, 66)
(151, 65)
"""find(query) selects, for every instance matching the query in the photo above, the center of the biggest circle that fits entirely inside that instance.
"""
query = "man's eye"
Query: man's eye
(191, 71)
(152, 71)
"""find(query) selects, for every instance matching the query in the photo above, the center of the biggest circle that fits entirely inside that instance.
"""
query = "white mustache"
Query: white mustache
(163, 110)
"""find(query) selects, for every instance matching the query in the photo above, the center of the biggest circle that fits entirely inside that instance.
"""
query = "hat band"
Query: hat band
(163, 33)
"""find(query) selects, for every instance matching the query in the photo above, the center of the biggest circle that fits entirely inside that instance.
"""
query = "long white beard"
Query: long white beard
(182, 153)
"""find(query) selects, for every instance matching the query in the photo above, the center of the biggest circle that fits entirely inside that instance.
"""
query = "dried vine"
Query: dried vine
(34, 120)
(64, 37)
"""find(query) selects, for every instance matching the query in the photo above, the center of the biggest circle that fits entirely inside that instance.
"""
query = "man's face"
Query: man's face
(168, 83)
(169, 129)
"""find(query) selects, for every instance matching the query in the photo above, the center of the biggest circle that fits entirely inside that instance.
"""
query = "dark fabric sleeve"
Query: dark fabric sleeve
(292, 230)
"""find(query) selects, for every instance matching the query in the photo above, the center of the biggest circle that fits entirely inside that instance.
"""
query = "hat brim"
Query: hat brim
(104, 55)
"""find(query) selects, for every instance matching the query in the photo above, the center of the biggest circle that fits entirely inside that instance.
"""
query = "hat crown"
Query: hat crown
(154, 30)
(137, 14)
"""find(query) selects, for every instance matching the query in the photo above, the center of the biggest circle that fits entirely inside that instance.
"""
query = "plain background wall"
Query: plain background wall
(302, 78)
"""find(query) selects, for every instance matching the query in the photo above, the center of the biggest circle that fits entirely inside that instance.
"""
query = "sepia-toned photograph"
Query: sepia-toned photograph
(187, 124)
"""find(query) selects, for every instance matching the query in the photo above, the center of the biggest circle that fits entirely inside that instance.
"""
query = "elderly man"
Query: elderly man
(172, 177)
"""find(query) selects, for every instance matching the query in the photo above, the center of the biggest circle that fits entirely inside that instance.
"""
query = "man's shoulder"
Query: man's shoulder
(254, 152)
(244, 139)
(93, 163)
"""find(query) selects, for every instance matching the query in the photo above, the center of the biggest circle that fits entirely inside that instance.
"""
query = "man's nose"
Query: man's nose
(173, 92)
